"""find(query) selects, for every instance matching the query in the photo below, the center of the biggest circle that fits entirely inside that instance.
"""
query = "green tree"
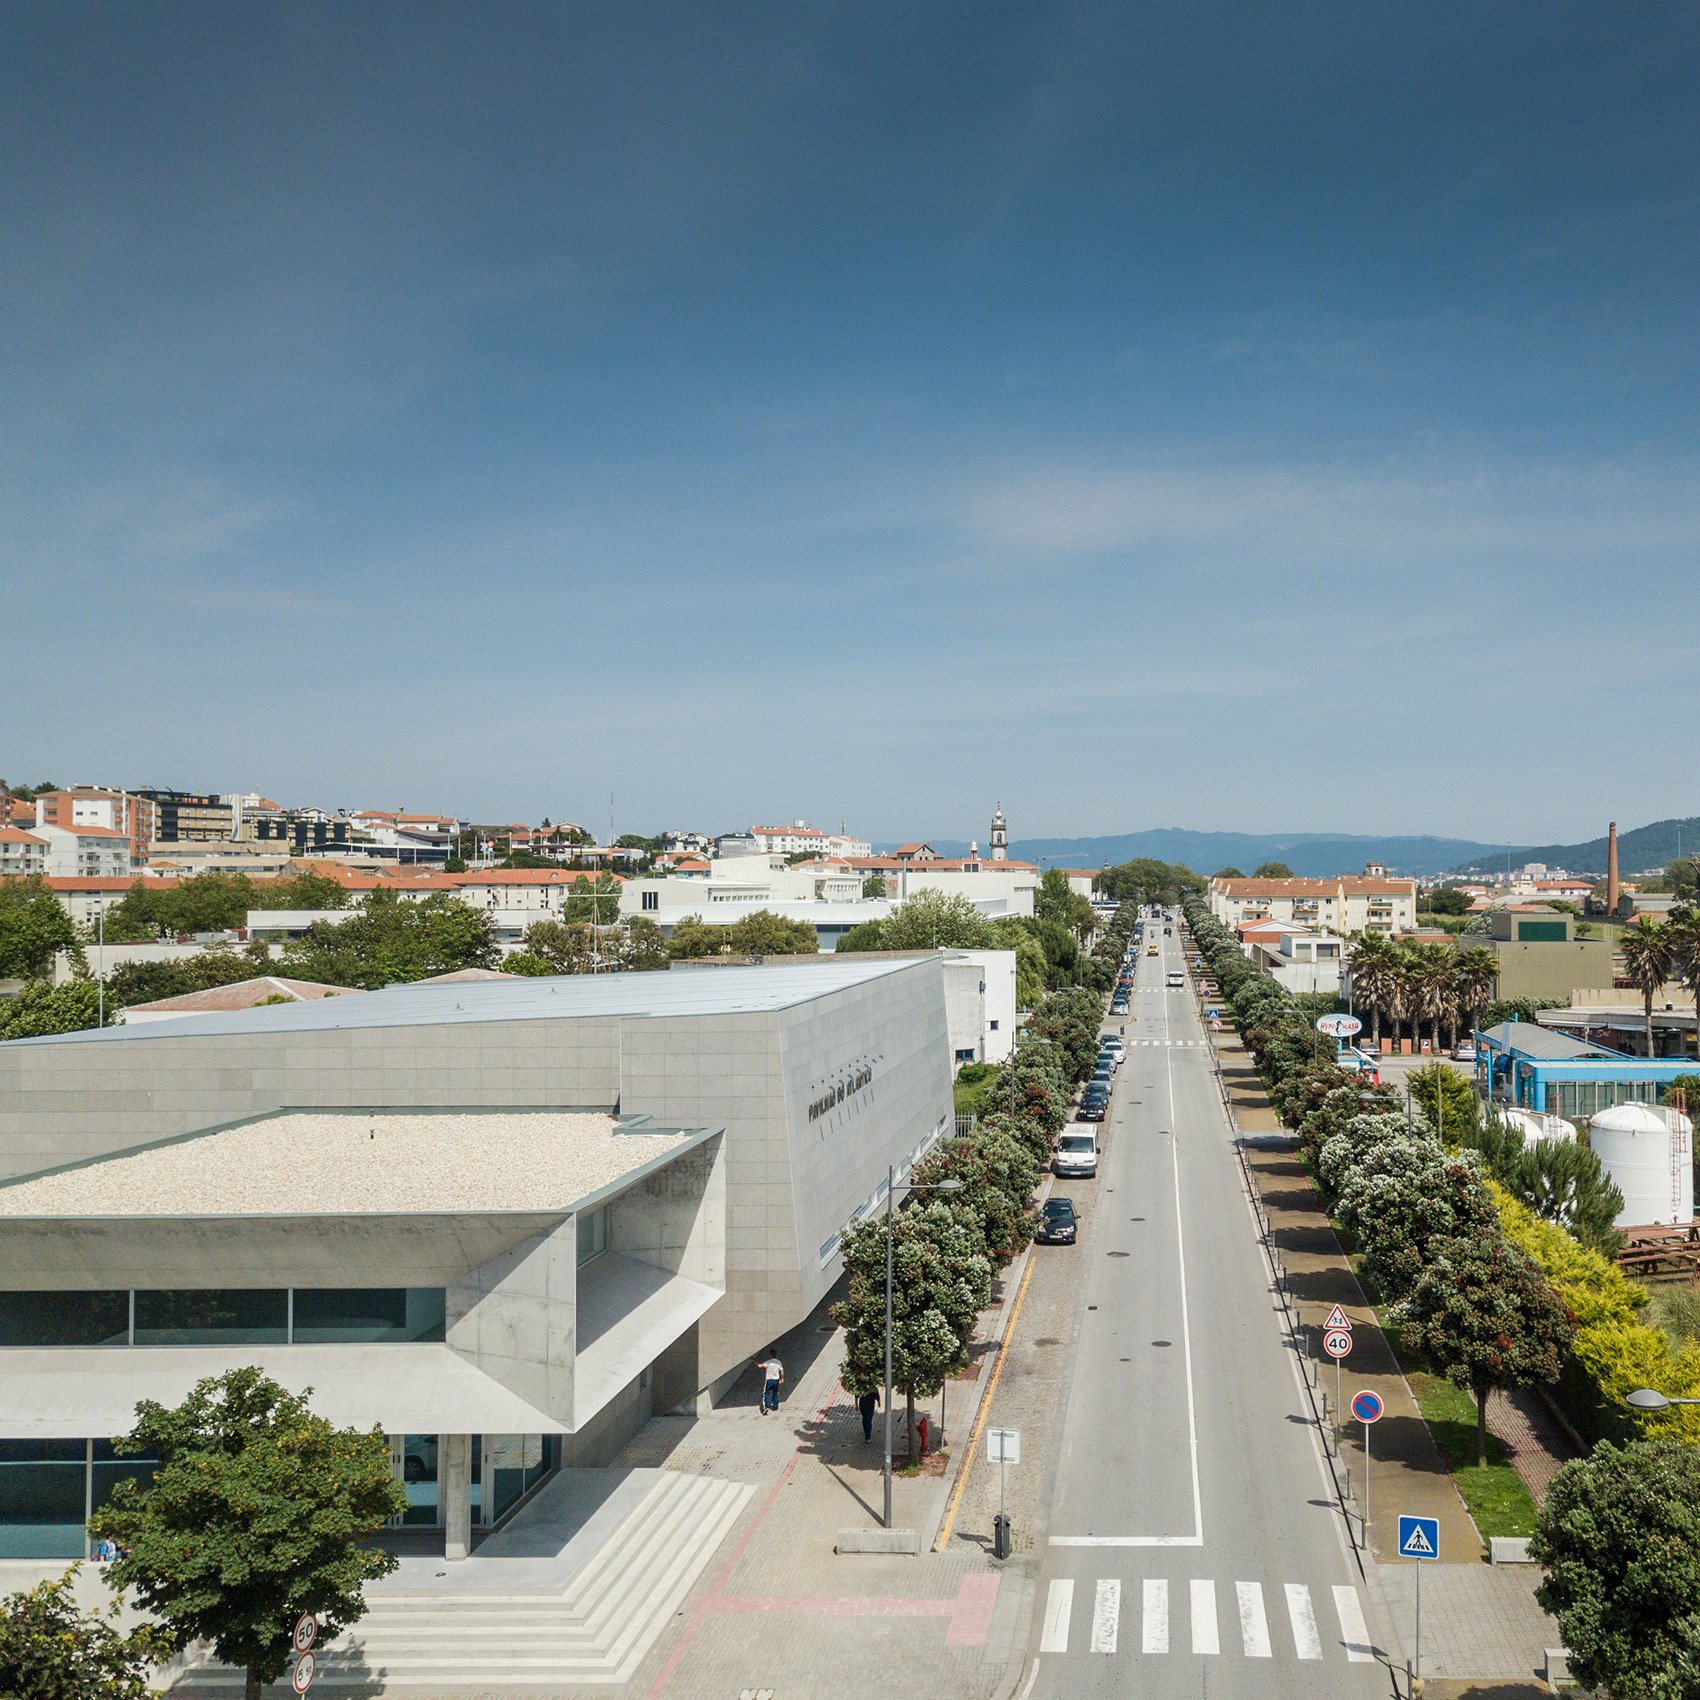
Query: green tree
(1485, 1317)
(455, 865)
(595, 900)
(1477, 969)
(640, 946)
(33, 928)
(563, 947)
(1445, 900)
(998, 1174)
(763, 933)
(41, 1009)
(1273, 871)
(930, 920)
(874, 886)
(1054, 900)
(1648, 952)
(212, 902)
(256, 1514)
(132, 983)
(1684, 932)
(1619, 1540)
(869, 935)
(393, 939)
(50, 1650)
(1370, 959)
(1445, 1097)
(1229, 873)
(941, 1280)
(693, 937)
(1565, 1182)
(1400, 1200)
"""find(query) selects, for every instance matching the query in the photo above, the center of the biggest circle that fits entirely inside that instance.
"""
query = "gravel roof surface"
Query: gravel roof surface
(344, 1163)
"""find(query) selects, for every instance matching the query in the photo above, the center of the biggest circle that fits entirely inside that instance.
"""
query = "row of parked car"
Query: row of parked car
(1076, 1155)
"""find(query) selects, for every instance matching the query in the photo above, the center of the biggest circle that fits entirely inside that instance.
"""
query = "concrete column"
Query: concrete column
(454, 1493)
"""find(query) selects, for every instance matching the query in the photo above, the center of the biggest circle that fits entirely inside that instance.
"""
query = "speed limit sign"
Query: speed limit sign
(1337, 1342)
(306, 1631)
(303, 1674)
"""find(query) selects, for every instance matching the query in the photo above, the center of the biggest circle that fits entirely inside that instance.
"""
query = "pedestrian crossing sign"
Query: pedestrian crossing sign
(1419, 1537)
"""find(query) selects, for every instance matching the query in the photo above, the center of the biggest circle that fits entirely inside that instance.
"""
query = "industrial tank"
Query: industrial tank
(1532, 1126)
(1650, 1161)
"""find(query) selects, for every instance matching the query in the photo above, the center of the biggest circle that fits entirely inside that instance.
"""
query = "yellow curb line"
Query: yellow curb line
(984, 1411)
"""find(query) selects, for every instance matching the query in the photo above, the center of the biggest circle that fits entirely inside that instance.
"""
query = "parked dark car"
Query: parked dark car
(1058, 1224)
(1092, 1109)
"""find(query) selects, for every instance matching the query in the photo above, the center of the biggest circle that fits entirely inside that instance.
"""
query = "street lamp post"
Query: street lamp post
(890, 1207)
(1645, 1401)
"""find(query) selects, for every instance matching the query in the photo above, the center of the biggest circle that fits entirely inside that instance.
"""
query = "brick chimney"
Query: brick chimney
(1611, 870)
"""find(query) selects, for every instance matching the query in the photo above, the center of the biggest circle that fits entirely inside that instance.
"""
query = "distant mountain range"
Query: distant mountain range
(1640, 848)
(1308, 854)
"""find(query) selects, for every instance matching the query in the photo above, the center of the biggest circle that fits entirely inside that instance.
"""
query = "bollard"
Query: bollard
(1000, 1536)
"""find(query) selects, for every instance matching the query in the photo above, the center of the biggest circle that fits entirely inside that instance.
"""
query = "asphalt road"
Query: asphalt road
(1191, 1545)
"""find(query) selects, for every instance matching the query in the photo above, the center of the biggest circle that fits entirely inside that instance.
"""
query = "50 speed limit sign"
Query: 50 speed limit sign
(1337, 1342)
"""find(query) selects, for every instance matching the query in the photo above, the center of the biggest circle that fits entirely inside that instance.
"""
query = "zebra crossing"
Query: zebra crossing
(1171, 1044)
(1301, 1633)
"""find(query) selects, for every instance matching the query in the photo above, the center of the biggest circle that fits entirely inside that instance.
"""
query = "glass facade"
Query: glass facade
(592, 1234)
(364, 1314)
(64, 1319)
(48, 1488)
(222, 1316)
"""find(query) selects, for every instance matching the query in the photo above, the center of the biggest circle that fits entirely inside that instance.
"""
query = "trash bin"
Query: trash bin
(1000, 1536)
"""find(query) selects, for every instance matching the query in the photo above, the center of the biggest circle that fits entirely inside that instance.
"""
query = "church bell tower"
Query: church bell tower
(1000, 837)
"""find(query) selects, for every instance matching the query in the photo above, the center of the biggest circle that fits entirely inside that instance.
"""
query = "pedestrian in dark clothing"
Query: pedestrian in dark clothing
(868, 1404)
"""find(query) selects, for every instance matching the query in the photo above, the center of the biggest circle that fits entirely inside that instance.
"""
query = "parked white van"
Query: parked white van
(1076, 1153)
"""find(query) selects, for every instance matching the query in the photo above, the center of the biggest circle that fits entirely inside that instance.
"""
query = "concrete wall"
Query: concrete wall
(513, 1318)
(1549, 969)
(60, 1104)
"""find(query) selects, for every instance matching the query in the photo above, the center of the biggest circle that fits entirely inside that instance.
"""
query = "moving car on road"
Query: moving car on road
(1176, 978)
(1058, 1224)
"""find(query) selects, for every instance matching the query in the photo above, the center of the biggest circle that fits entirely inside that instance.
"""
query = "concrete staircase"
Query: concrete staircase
(596, 1631)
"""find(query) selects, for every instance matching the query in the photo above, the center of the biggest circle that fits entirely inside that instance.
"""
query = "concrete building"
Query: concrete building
(131, 813)
(22, 852)
(1533, 1067)
(1538, 954)
(86, 852)
(503, 1219)
(1345, 904)
(1298, 959)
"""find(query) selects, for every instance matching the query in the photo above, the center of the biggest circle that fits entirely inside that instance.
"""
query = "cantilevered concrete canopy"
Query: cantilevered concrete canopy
(417, 1389)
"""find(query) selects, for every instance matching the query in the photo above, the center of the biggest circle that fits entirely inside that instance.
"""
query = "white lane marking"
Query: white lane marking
(1195, 1539)
(1254, 1626)
(1204, 1636)
(1106, 1613)
(1306, 1637)
(1353, 1630)
(1059, 1602)
(1156, 1637)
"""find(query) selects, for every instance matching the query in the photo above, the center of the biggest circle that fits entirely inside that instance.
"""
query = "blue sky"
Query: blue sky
(1258, 418)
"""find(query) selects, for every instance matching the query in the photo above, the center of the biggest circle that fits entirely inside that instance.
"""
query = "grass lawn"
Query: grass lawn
(1494, 1495)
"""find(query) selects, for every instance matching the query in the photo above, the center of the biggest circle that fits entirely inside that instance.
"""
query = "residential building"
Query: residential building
(130, 813)
(22, 852)
(1300, 960)
(86, 852)
(487, 1212)
(801, 839)
(186, 859)
(1343, 904)
(191, 817)
(698, 843)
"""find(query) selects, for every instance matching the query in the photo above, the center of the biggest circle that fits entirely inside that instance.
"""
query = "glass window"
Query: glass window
(324, 1314)
(42, 1486)
(232, 1316)
(64, 1319)
(419, 1478)
(592, 1234)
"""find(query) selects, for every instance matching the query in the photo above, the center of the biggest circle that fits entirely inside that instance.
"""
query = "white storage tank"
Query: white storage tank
(1651, 1162)
(1532, 1126)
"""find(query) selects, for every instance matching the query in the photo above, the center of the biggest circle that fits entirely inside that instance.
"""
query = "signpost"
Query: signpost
(1419, 1538)
(301, 1638)
(1337, 1343)
(1367, 1408)
(1003, 1447)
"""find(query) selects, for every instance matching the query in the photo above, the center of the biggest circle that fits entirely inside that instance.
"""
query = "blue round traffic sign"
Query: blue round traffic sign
(1366, 1406)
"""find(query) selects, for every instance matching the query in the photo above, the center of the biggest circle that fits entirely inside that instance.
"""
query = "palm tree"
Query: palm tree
(1648, 951)
(1370, 960)
(1477, 971)
(1431, 986)
(1684, 930)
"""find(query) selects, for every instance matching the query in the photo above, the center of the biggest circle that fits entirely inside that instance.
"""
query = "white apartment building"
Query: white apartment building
(799, 838)
(22, 852)
(1344, 904)
(86, 852)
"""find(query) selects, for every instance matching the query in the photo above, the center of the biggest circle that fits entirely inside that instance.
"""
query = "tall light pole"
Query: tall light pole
(890, 1206)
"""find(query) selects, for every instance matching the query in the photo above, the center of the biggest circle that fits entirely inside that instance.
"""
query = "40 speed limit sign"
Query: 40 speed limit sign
(1337, 1342)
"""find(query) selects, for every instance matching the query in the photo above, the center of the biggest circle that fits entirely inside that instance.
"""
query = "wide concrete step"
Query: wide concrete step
(596, 1630)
